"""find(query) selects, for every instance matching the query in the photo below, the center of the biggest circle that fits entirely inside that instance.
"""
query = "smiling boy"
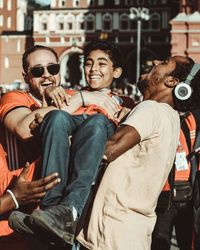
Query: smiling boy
(90, 126)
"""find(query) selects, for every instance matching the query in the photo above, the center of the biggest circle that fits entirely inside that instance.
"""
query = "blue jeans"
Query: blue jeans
(77, 162)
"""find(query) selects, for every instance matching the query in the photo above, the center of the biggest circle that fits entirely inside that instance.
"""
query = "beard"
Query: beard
(142, 85)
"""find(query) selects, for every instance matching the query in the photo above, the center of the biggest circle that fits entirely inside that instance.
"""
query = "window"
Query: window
(153, 2)
(91, 2)
(80, 22)
(129, 2)
(18, 45)
(9, 4)
(70, 22)
(6, 63)
(44, 22)
(107, 22)
(9, 22)
(89, 23)
(1, 4)
(140, 2)
(76, 3)
(100, 2)
(133, 24)
(61, 3)
(60, 22)
(154, 21)
(1, 20)
(124, 20)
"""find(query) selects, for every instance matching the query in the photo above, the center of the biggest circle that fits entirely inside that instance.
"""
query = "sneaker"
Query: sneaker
(19, 222)
(57, 220)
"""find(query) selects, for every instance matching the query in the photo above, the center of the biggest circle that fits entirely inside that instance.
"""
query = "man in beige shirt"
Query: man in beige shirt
(141, 154)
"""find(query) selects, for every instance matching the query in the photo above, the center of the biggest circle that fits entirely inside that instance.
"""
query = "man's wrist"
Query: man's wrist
(13, 198)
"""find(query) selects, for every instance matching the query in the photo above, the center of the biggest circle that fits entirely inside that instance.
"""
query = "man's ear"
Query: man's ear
(171, 81)
(117, 72)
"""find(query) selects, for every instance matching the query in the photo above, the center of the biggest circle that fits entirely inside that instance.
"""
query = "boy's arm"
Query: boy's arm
(76, 101)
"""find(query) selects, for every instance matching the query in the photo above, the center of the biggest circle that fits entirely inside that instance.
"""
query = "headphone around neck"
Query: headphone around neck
(183, 90)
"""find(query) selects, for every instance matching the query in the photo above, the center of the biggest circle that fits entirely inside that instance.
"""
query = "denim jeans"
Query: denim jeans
(77, 162)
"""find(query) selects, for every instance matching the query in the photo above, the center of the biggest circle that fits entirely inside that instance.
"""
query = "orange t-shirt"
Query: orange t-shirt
(8, 239)
(8, 102)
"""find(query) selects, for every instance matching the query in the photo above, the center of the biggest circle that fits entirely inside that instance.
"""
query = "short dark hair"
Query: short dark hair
(30, 50)
(109, 48)
(181, 72)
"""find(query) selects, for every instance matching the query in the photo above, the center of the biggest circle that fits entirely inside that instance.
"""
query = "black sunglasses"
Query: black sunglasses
(38, 71)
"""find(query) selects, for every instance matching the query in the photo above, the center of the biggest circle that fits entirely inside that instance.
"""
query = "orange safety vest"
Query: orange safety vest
(192, 127)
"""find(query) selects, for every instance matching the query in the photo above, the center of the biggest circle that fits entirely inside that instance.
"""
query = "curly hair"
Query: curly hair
(109, 48)
(181, 72)
(30, 50)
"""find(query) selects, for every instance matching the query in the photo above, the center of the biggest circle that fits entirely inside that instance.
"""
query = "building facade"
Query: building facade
(186, 28)
(68, 25)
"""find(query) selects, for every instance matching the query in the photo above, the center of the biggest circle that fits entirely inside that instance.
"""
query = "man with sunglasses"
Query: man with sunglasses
(41, 72)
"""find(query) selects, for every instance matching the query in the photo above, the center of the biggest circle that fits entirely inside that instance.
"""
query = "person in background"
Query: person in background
(140, 156)
(179, 212)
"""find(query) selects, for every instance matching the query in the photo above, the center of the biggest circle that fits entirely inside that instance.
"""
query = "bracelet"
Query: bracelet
(83, 102)
(14, 198)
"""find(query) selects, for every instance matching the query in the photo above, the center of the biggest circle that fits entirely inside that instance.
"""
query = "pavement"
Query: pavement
(173, 242)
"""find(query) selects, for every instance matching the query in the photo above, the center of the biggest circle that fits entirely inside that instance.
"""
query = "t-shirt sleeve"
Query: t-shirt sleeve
(12, 100)
(145, 119)
(6, 175)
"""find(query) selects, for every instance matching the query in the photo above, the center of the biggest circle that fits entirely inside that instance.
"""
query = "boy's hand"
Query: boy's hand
(35, 123)
(101, 99)
(57, 96)
(122, 114)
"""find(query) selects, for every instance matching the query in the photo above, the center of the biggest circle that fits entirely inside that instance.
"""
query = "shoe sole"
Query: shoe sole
(37, 219)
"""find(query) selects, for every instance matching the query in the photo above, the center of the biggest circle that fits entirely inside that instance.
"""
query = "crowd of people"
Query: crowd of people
(104, 163)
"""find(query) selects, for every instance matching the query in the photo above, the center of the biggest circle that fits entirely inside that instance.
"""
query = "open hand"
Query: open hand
(32, 191)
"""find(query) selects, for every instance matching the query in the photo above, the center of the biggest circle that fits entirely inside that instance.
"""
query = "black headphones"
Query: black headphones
(183, 90)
